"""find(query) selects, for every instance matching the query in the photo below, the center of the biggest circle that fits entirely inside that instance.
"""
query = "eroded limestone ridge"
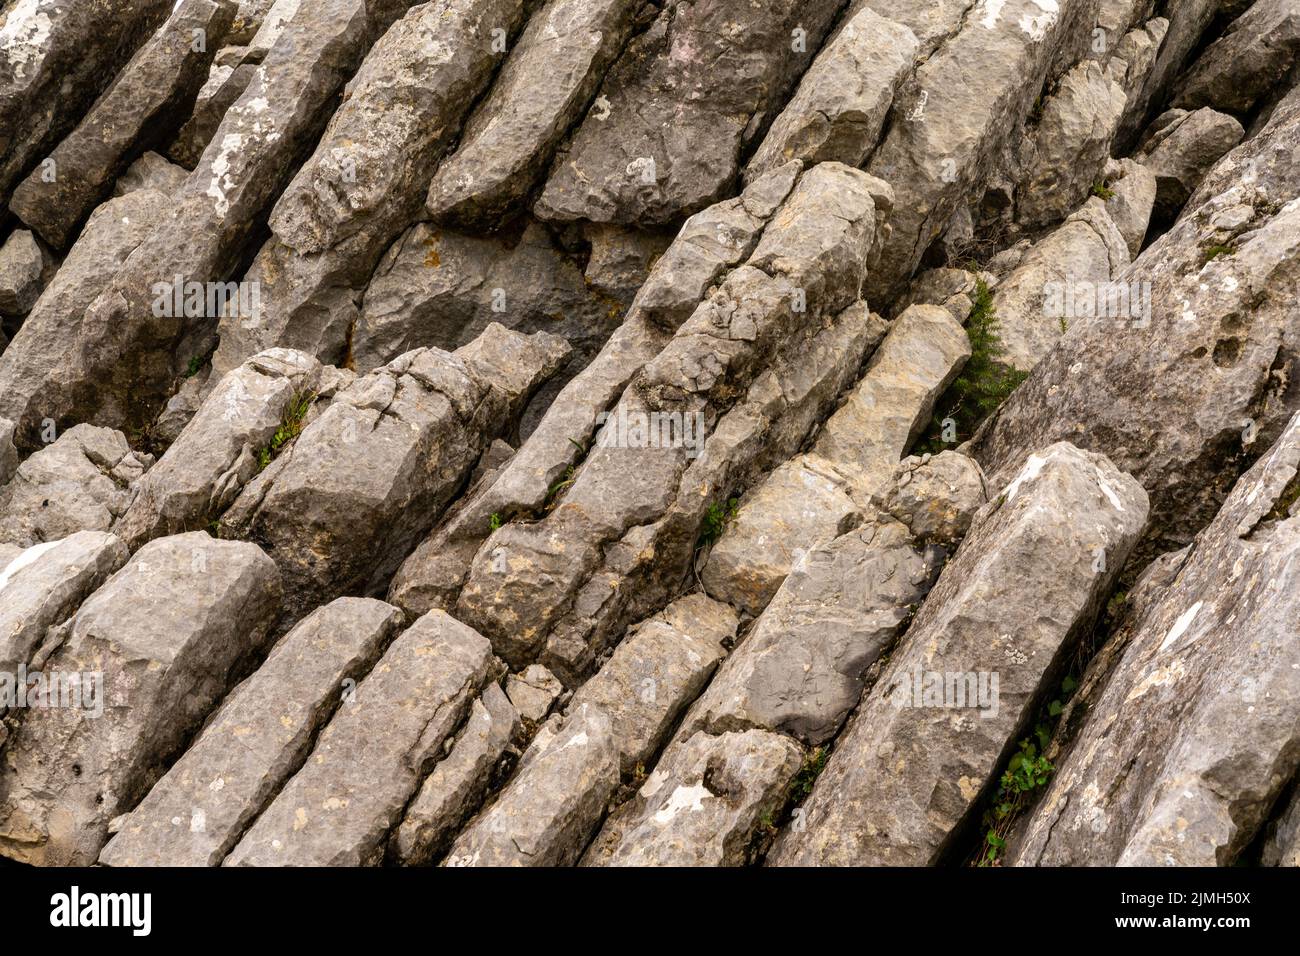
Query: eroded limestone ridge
(649, 432)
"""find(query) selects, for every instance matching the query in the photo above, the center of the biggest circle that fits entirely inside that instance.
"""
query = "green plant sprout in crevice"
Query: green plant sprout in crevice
(1027, 773)
(1102, 191)
(814, 762)
(570, 475)
(291, 426)
(716, 519)
(1036, 111)
(1210, 253)
(769, 823)
(553, 492)
(1290, 495)
(984, 383)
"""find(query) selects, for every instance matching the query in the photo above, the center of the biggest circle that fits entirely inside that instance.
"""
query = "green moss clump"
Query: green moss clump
(1210, 253)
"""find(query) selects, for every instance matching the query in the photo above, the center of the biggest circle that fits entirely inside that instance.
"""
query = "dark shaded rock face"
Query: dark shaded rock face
(164, 74)
(671, 433)
(57, 59)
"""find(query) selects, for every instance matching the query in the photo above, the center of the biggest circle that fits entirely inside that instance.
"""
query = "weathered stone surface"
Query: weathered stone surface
(363, 185)
(151, 171)
(689, 518)
(546, 84)
(840, 107)
(1071, 145)
(434, 573)
(525, 576)
(801, 669)
(1250, 60)
(646, 567)
(258, 24)
(1117, 17)
(1031, 574)
(1183, 754)
(664, 137)
(316, 322)
(120, 363)
(931, 21)
(708, 244)
(8, 453)
(802, 504)
(225, 84)
(702, 804)
(346, 503)
(259, 738)
(167, 633)
(403, 108)
(78, 483)
(936, 497)
(1185, 151)
(954, 289)
(458, 782)
(533, 691)
(824, 263)
(441, 289)
(546, 815)
(1221, 344)
(1160, 127)
(1135, 56)
(959, 110)
(655, 672)
(43, 586)
(1133, 197)
(24, 269)
(958, 237)
(339, 809)
(57, 57)
(924, 351)
(273, 23)
(217, 454)
(249, 17)
(164, 73)
(1188, 20)
(621, 259)
(41, 346)
(1263, 157)
(1060, 281)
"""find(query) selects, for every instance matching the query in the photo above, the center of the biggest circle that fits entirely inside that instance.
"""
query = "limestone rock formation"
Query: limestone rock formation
(649, 433)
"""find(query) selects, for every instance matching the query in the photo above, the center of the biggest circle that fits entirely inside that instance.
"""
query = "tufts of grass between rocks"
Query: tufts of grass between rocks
(291, 426)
